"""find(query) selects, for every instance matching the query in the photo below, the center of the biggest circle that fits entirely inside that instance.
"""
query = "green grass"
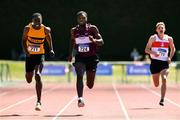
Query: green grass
(16, 69)
(120, 75)
(17, 72)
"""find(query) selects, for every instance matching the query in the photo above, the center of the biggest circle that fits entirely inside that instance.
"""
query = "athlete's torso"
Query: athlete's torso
(161, 46)
(35, 42)
(83, 45)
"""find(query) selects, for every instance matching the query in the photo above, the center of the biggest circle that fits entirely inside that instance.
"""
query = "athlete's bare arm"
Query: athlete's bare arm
(148, 47)
(24, 39)
(172, 49)
(71, 45)
(98, 38)
(49, 39)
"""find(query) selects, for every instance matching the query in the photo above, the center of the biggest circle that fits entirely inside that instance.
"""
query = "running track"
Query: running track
(104, 102)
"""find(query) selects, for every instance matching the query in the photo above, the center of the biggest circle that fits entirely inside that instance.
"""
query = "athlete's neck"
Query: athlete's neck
(161, 36)
(36, 27)
(83, 25)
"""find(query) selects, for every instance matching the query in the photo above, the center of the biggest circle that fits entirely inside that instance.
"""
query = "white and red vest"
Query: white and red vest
(160, 46)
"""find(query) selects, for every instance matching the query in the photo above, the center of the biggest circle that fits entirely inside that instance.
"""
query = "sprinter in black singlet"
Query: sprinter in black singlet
(84, 45)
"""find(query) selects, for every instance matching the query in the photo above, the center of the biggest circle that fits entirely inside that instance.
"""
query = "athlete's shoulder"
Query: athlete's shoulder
(93, 27)
(28, 25)
(26, 28)
(46, 29)
(72, 29)
(169, 37)
(153, 37)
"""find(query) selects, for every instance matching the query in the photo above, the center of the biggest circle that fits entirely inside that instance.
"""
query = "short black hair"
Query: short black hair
(81, 13)
(36, 15)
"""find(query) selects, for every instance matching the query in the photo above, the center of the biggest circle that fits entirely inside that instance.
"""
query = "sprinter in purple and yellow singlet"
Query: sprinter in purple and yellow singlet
(85, 42)
(33, 39)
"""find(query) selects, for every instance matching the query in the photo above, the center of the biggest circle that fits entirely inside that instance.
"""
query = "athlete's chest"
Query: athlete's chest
(83, 32)
(160, 44)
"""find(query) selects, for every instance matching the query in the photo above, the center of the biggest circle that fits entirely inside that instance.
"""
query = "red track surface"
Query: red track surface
(104, 102)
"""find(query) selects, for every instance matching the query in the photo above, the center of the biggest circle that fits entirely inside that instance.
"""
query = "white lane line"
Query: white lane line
(120, 101)
(64, 108)
(24, 100)
(2, 94)
(18, 103)
(157, 94)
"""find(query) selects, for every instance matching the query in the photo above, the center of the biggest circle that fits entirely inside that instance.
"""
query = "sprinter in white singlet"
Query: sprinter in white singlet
(158, 48)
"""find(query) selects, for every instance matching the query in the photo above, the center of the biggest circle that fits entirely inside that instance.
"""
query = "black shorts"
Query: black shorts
(32, 61)
(89, 62)
(157, 66)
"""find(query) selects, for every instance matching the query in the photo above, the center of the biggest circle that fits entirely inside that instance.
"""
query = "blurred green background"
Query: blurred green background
(124, 24)
(16, 72)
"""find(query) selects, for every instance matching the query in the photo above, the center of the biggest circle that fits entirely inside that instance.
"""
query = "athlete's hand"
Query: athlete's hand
(156, 54)
(169, 60)
(70, 66)
(52, 54)
(69, 58)
(27, 54)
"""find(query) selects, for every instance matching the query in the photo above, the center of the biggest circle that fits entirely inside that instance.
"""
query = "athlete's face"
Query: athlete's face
(160, 29)
(82, 19)
(37, 21)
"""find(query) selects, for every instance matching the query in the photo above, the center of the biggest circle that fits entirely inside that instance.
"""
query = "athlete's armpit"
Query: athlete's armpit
(98, 38)
(47, 31)
(172, 47)
(24, 39)
(25, 32)
(96, 32)
(72, 35)
(149, 45)
(71, 44)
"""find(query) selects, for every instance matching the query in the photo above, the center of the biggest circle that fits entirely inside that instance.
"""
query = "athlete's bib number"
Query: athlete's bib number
(34, 48)
(162, 52)
(83, 48)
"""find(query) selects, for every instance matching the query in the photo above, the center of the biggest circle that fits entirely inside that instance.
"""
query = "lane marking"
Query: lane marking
(64, 108)
(120, 101)
(157, 94)
(25, 100)
(2, 94)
